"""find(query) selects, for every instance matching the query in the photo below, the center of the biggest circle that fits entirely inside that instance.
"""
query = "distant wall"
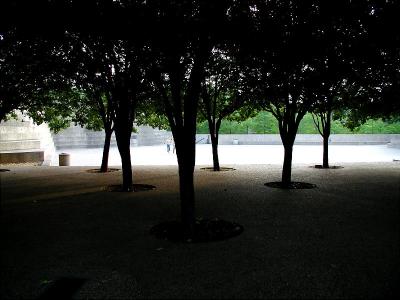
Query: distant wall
(78, 137)
(148, 136)
(305, 139)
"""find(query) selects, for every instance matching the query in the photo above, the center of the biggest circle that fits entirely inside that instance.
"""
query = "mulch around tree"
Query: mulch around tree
(137, 187)
(221, 169)
(294, 185)
(98, 170)
(330, 167)
(205, 230)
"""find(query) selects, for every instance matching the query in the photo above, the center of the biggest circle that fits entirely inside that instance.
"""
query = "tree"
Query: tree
(223, 93)
(282, 65)
(356, 71)
(374, 87)
(116, 56)
(330, 75)
(26, 73)
(296, 65)
(128, 90)
(74, 90)
(85, 108)
(94, 72)
(184, 35)
(116, 81)
(115, 24)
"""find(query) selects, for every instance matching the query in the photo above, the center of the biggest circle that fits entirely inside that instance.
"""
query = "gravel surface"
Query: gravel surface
(339, 240)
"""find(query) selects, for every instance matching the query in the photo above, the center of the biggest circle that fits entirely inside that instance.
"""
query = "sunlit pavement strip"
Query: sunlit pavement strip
(237, 155)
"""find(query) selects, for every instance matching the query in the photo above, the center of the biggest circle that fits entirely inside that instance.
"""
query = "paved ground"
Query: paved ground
(340, 240)
(237, 154)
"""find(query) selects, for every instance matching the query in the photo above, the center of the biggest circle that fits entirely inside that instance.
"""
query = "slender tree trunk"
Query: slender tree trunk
(214, 133)
(214, 142)
(325, 159)
(326, 134)
(287, 164)
(106, 150)
(214, 145)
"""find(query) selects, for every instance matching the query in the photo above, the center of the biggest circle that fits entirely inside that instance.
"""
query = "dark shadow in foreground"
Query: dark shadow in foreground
(221, 169)
(62, 289)
(99, 170)
(330, 167)
(294, 185)
(136, 187)
(205, 230)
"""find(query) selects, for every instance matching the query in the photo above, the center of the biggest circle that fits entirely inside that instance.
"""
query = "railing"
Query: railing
(202, 139)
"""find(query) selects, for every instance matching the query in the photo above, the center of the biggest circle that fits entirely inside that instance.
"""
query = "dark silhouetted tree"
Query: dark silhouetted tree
(223, 93)
(184, 34)
(282, 49)
(373, 89)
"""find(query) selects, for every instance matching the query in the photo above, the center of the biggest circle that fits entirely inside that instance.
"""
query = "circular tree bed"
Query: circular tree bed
(330, 167)
(221, 169)
(137, 187)
(205, 230)
(294, 185)
(98, 170)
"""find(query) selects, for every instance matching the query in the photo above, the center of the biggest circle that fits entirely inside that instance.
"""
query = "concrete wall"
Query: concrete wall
(26, 140)
(31, 157)
(148, 136)
(309, 139)
(78, 137)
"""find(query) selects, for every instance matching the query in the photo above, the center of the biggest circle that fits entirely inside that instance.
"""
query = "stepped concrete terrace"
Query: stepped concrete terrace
(21, 141)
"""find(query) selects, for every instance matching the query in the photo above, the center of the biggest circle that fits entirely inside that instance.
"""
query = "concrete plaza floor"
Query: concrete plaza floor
(237, 154)
(339, 240)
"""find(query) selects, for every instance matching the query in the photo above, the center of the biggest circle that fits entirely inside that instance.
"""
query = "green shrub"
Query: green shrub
(264, 122)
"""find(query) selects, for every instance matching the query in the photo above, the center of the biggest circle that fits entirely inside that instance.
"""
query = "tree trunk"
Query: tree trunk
(186, 153)
(325, 159)
(106, 151)
(186, 186)
(214, 145)
(327, 133)
(287, 165)
(214, 132)
(214, 142)
(123, 136)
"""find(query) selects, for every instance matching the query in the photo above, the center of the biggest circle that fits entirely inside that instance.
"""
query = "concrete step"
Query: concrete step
(35, 156)
(19, 145)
